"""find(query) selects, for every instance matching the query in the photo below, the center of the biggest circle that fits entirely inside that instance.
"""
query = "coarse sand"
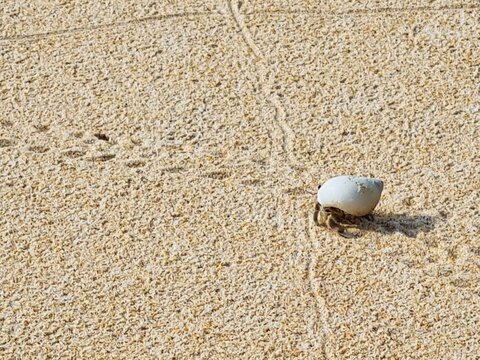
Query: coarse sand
(157, 166)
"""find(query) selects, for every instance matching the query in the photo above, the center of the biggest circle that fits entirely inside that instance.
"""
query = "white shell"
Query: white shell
(354, 195)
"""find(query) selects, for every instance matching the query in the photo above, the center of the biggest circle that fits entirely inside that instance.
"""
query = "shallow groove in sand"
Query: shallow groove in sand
(77, 30)
(322, 308)
(280, 115)
(287, 148)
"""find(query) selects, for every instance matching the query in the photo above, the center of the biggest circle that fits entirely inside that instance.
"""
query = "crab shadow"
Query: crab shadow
(408, 225)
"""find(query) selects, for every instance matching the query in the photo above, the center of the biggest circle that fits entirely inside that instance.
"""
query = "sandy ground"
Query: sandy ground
(157, 162)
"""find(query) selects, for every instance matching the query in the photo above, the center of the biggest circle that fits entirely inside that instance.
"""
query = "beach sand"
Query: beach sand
(158, 164)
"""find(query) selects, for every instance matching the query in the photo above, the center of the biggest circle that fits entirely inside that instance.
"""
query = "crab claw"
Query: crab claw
(347, 234)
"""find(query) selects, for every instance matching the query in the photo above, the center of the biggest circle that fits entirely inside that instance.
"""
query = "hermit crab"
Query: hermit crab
(344, 197)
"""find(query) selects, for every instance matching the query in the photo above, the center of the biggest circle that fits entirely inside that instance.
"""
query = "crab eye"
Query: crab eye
(319, 186)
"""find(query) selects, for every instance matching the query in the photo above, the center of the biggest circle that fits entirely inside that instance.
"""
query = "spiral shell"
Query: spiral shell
(354, 195)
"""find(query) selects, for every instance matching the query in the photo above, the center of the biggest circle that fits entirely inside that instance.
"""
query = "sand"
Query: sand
(157, 166)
